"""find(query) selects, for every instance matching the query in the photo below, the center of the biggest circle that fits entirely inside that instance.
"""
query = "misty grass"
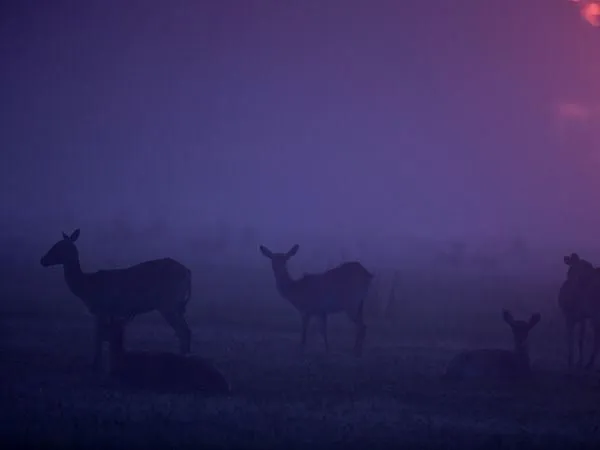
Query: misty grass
(393, 395)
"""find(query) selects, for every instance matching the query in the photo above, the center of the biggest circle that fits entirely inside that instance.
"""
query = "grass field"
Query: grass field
(391, 397)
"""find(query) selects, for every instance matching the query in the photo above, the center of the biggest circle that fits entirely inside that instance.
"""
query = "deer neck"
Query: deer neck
(75, 278)
(522, 352)
(283, 281)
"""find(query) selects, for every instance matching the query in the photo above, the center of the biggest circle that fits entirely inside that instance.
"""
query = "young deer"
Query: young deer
(341, 289)
(496, 363)
(115, 297)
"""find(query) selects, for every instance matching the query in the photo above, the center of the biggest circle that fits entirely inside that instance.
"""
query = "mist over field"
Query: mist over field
(451, 149)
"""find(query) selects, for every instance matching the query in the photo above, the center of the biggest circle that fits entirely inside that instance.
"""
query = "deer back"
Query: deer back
(335, 290)
(156, 284)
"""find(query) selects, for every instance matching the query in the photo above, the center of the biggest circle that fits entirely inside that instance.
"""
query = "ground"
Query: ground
(391, 397)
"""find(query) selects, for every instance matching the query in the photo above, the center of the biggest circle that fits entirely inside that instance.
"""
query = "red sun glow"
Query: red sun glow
(590, 11)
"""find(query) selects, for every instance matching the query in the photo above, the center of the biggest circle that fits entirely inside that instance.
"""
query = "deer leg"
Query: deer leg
(580, 344)
(305, 322)
(116, 343)
(324, 331)
(361, 328)
(590, 364)
(182, 330)
(570, 326)
(361, 332)
(99, 337)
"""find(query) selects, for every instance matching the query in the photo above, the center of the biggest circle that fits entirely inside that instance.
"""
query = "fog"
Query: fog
(450, 147)
(389, 124)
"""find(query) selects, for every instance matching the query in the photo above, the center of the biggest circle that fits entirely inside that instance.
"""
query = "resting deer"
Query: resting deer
(115, 297)
(496, 363)
(169, 372)
(341, 289)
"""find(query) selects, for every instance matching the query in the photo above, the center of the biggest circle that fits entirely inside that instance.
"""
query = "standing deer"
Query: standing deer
(341, 289)
(115, 297)
(591, 305)
(496, 363)
(573, 297)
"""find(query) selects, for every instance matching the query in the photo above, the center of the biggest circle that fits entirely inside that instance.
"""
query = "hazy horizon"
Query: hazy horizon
(462, 121)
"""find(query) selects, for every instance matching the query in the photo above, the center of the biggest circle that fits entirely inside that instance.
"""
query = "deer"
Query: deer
(575, 297)
(169, 372)
(591, 310)
(114, 297)
(507, 365)
(342, 289)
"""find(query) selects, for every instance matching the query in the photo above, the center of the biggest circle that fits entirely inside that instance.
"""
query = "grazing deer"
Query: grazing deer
(341, 289)
(115, 297)
(496, 363)
(572, 298)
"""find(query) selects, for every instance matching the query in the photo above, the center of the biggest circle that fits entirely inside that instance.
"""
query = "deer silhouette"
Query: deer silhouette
(115, 297)
(341, 289)
(496, 364)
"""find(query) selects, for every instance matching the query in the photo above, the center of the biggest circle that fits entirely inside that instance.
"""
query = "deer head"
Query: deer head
(572, 259)
(521, 328)
(279, 260)
(63, 252)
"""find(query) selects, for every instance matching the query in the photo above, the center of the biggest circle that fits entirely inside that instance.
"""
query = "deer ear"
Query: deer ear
(535, 318)
(65, 236)
(74, 235)
(508, 317)
(292, 251)
(265, 251)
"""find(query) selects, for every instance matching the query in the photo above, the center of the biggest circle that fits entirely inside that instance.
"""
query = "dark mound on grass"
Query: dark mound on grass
(169, 372)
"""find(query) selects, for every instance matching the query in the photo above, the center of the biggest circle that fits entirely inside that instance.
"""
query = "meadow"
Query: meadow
(391, 397)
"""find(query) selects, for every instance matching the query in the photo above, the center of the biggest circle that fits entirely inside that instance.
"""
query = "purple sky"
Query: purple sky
(457, 118)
